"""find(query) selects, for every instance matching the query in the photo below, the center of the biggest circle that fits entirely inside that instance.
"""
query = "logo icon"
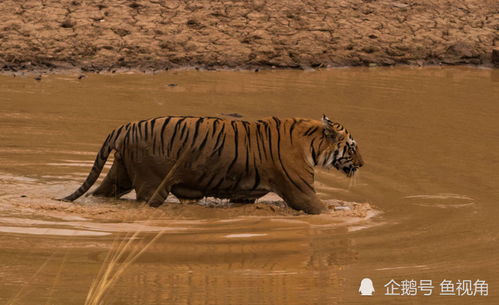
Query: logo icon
(366, 287)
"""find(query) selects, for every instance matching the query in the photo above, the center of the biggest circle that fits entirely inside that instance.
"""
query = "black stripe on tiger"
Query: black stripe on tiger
(291, 128)
(217, 148)
(172, 137)
(278, 131)
(196, 130)
(236, 151)
(163, 127)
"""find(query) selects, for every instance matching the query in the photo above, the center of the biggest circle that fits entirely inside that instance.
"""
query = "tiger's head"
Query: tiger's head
(338, 149)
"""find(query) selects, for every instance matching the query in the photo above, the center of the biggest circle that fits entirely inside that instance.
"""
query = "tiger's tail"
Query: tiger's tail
(99, 163)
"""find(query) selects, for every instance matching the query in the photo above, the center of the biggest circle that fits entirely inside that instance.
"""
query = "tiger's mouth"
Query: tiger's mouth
(350, 170)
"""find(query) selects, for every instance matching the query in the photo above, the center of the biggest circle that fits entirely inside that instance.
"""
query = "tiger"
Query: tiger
(196, 157)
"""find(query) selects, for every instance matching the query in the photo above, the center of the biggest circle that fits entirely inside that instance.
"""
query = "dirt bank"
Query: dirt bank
(158, 34)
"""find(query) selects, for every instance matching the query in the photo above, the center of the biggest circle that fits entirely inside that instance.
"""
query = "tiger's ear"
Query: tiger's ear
(329, 131)
(325, 119)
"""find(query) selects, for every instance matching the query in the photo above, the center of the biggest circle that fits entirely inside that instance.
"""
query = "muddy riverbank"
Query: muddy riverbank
(157, 35)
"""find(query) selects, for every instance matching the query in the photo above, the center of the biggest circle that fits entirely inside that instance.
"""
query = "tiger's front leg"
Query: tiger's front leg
(299, 196)
(304, 201)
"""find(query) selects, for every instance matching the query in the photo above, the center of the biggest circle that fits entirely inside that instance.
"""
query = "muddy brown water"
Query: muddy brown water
(429, 136)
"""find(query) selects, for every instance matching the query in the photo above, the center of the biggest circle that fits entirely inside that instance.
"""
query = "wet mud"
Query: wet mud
(158, 35)
(34, 198)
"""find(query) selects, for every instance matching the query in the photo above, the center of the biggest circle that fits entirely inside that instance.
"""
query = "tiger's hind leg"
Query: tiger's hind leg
(172, 183)
(116, 183)
(161, 192)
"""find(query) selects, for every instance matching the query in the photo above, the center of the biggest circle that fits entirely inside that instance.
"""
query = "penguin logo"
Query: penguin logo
(366, 287)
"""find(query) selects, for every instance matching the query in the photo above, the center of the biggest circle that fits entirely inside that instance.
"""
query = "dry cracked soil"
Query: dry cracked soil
(156, 35)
